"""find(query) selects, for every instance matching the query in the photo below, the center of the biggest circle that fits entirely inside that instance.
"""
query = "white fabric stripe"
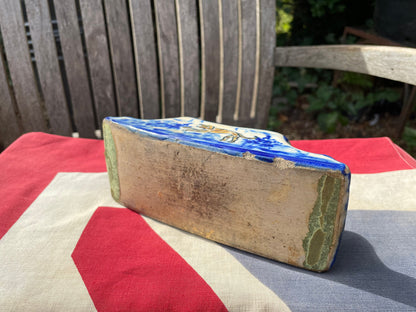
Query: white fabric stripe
(37, 272)
(237, 288)
(35, 254)
(395, 190)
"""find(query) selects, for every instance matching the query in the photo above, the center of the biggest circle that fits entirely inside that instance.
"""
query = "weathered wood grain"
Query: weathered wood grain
(47, 64)
(248, 73)
(187, 19)
(20, 66)
(394, 63)
(257, 63)
(167, 35)
(231, 42)
(210, 54)
(145, 55)
(9, 123)
(75, 67)
(221, 47)
(98, 58)
(266, 65)
(122, 57)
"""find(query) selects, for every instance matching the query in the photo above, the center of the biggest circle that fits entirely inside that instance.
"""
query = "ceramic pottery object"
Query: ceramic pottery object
(246, 188)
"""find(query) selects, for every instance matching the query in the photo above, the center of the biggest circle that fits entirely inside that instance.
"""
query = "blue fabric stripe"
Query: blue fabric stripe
(375, 269)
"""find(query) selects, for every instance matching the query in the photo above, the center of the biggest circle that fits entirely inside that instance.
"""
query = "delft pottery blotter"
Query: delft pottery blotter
(246, 188)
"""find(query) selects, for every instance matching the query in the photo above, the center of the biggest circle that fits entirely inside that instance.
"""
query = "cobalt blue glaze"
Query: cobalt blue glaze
(235, 141)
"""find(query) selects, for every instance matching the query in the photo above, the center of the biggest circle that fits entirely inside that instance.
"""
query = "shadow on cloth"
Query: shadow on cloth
(357, 265)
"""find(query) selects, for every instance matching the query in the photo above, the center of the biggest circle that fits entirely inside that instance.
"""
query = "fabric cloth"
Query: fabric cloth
(65, 245)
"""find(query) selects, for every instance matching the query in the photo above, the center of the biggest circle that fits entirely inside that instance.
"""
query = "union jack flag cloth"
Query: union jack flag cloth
(65, 245)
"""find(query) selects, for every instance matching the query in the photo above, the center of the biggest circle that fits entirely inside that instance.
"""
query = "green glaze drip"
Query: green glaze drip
(111, 161)
(315, 246)
(317, 242)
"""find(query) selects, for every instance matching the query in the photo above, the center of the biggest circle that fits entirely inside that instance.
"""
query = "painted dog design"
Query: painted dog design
(231, 136)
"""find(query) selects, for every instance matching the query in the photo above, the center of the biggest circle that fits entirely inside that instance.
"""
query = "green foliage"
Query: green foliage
(334, 106)
(273, 121)
(356, 79)
(370, 98)
(323, 21)
(284, 19)
(333, 103)
(409, 136)
(328, 121)
(319, 8)
(283, 79)
(284, 16)
(282, 89)
(328, 102)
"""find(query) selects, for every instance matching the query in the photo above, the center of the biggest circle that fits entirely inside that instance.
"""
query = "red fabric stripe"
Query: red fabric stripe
(120, 257)
(371, 155)
(31, 162)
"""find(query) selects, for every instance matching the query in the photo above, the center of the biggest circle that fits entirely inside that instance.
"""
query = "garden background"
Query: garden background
(321, 104)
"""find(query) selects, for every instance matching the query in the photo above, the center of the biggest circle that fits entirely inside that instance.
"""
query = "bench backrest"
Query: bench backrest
(65, 65)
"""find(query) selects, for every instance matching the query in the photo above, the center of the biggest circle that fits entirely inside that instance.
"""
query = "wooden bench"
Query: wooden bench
(65, 65)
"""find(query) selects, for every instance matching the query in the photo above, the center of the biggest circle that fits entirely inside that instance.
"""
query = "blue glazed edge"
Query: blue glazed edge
(264, 145)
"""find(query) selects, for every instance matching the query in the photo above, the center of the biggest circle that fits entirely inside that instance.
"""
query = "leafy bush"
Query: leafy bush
(334, 101)
(319, 8)
(409, 136)
(315, 21)
(334, 106)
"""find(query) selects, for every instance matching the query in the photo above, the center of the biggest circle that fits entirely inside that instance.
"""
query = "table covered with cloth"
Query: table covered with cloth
(66, 245)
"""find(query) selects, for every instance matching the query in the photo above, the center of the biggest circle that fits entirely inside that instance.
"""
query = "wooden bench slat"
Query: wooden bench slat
(266, 66)
(210, 59)
(231, 49)
(9, 129)
(122, 57)
(189, 57)
(98, 58)
(381, 61)
(145, 56)
(47, 64)
(168, 58)
(20, 66)
(75, 67)
(248, 72)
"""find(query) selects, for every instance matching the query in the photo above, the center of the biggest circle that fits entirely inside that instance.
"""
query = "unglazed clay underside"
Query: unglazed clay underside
(290, 209)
